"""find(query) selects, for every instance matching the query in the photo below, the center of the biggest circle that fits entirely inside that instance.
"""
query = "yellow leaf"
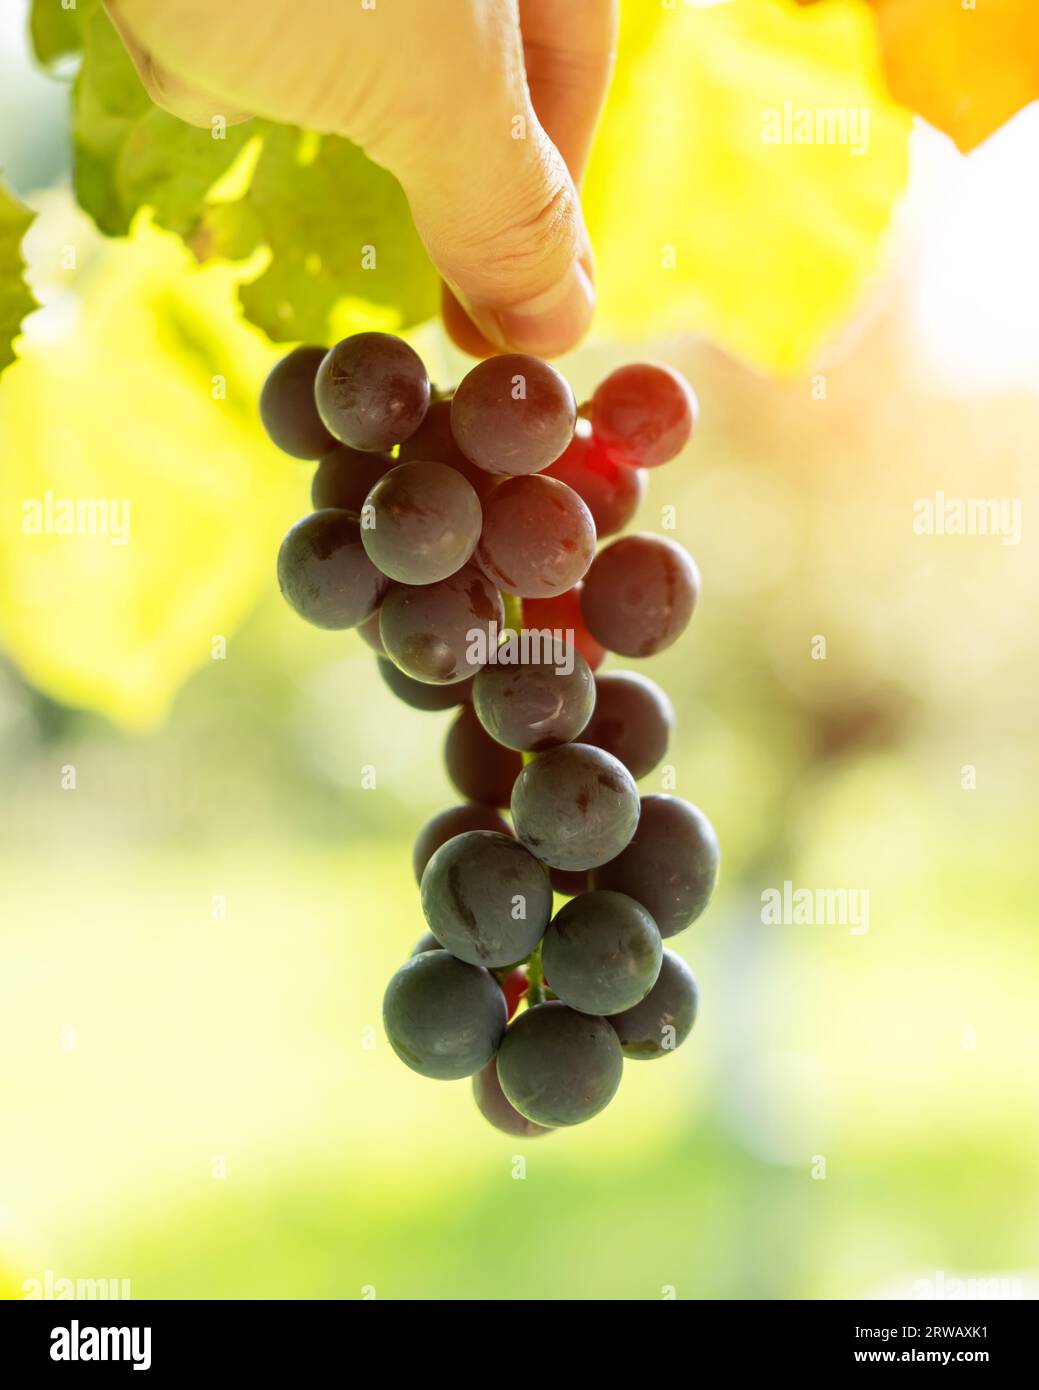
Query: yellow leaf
(965, 65)
(142, 505)
(709, 210)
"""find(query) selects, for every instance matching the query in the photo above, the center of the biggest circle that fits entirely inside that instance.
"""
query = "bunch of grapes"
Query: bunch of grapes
(457, 532)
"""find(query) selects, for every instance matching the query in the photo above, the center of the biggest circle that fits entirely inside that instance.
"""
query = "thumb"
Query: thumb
(501, 220)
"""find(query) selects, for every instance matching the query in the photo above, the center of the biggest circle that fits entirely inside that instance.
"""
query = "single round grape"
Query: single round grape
(426, 942)
(644, 414)
(562, 614)
(420, 694)
(671, 865)
(513, 414)
(496, 1110)
(444, 1018)
(446, 825)
(559, 1067)
(345, 476)
(602, 951)
(569, 882)
(575, 807)
(534, 706)
(372, 391)
(479, 768)
(665, 1018)
(441, 633)
(639, 594)
(287, 406)
(538, 537)
(434, 441)
(633, 720)
(611, 491)
(368, 631)
(420, 522)
(325, 574)
(486, 899)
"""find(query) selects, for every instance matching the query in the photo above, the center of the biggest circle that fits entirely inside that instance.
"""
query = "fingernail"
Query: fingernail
(551, 322)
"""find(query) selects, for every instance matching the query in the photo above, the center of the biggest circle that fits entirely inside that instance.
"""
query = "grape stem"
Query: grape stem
(536, 985)
(513, 611)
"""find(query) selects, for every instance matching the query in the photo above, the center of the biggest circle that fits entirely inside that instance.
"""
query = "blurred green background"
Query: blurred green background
(195, 939)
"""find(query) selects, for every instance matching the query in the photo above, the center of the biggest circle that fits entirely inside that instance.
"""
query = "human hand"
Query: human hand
(483, 109)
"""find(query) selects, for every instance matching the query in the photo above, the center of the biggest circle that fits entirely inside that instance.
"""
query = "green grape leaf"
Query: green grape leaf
(108, 101)
(15, 298)
(338, 229)
(56, 31)
(147, 509)
(757, 240)
(231, 231)
(130, 154)
(171, 166)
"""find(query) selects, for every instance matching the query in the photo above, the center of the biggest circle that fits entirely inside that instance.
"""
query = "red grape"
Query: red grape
(643, 414)
(562, 613)
(513, 414)
(640, 594)
(538, 537)
(514, 987)
(611, 491)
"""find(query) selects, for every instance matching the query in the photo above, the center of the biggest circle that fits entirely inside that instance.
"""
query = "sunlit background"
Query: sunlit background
(195, 938)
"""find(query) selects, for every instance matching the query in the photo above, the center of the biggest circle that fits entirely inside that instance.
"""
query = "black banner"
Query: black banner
(168, 1340)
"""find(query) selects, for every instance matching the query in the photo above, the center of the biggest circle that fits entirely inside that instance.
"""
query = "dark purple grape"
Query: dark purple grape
(287, 406)
(602, 953)
(368, 631)
(534, 706)
(426, 942)
(486, 899)
(421, 522)
(538, 537)
(372, 391)
(456, 820)
(513, 414)
(481, 769)
(569, 882)
(345, 477)
(644, 414)
(434, 442)
(665, 1018)
(496, 1110)
(670, 866)
(444, 1018)
(611, 491)
(639, 594)
(633, 720)
(559, 1067)
(575, 807)
(420, 694)
(325, 574)
(442, 633)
